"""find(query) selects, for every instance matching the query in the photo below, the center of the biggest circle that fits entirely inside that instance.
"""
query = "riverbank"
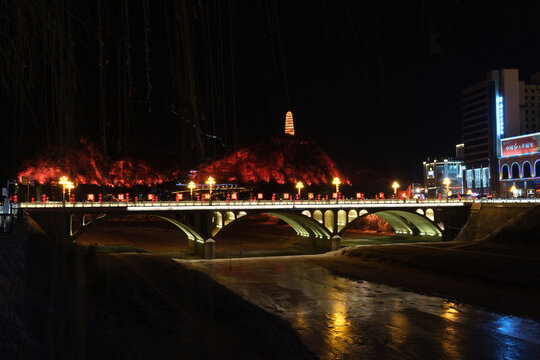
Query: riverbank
(499, 277)
(64, 303)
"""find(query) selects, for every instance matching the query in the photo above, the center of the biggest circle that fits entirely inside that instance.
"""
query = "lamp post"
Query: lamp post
(191, 186)
(395, 185)
(63, 181)
(446, 182)
(210, 182)
(336, 182)
(299, 186)
(69, 186)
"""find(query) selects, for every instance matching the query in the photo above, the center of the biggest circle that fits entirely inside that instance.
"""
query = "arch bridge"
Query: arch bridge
(319, 223)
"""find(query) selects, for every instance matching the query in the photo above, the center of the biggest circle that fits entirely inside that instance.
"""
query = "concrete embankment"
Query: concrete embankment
(502, 222)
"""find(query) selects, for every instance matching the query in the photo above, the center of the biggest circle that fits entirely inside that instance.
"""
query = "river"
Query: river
(340, 318)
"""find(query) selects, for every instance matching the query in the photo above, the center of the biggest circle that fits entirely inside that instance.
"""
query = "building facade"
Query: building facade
(490, 111)
(529, 105)
(519, 166)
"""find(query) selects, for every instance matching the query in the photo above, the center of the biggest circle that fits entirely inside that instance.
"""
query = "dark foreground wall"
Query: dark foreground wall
(503, 222)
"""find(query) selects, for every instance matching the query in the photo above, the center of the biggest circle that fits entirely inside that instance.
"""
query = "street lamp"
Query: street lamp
(514, 190)
(299, 186)
(63, 181)
(446, 182)
(395, 185)
(336, 182)
(210, 182)
(69, 186)
(191, 186)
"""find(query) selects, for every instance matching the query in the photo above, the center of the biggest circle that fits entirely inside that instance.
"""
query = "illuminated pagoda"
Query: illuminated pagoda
(289, 124)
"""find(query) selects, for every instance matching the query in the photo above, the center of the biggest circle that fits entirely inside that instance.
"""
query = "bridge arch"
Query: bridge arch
(405, 222)
(318, 216)
(229, 218)
(217, 222)
(430, 214)
(537, 168)
(303, 225)
(363, 212)
(329, 220)
(306, 213)
(353, 214)
(341, 220)
(191, 233)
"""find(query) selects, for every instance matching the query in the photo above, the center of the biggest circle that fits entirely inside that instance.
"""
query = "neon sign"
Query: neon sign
(500, 116)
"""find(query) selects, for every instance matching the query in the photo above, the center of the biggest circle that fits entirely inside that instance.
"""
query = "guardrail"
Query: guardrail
(248, 203)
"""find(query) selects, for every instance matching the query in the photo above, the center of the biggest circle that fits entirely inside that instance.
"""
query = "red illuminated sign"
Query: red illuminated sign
(520, 145)
(90, 197)
(310, 196)
(234, 196)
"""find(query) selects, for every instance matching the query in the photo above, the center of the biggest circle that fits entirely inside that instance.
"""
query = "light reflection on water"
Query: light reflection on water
(339, 318)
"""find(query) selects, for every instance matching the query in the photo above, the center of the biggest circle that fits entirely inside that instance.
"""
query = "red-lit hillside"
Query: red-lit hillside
(281, 160)
(86, 165)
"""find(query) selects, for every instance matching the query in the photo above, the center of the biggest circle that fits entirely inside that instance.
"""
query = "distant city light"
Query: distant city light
(500, 116)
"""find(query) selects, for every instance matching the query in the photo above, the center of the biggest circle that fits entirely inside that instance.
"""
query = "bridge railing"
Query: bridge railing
(248, 203)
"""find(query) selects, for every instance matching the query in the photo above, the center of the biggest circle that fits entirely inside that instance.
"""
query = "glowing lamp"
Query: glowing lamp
(260, 196)
(514, 190)
(63, 181)
(121, 197)
(286, 196)
(191, 186)
(336, 182)
(90, 197)
(299, 186)
(210, 182)
(234, 196)
(395, 185)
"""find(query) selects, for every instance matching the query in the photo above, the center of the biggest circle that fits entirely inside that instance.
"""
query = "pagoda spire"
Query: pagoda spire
(289, 124)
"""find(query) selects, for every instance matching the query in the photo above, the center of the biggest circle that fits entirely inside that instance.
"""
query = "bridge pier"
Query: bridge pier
(210, 249)
(336, 243)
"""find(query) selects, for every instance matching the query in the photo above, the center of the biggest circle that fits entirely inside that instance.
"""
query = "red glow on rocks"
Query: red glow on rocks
(280, 160)
(86, 165)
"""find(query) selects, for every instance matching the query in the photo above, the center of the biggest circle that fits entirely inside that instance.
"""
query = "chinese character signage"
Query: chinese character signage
(520, 145)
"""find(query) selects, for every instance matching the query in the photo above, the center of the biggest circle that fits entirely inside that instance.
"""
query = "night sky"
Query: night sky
(377, 85)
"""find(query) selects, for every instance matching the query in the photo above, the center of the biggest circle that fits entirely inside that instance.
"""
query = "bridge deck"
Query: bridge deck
(260, 204)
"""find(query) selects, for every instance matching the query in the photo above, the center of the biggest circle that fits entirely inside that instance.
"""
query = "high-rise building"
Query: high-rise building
(289, 124)
(489, 112)
(529, 105)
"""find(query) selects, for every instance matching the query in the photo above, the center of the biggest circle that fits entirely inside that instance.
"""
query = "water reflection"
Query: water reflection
(341, 318)
(338, 325)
